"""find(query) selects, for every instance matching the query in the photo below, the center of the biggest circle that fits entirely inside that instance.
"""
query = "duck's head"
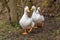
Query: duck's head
(38, 9)
(26, 9)
(33, 8)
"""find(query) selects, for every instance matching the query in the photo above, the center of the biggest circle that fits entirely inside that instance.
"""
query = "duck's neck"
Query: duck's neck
(34, 11)
(25, 12)
(37, 12)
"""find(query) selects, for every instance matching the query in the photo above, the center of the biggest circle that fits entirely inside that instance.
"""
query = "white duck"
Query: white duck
(26, 22)
(39, 19)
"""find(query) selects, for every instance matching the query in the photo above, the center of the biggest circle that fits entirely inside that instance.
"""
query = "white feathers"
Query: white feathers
(25, 21)
(36, 15)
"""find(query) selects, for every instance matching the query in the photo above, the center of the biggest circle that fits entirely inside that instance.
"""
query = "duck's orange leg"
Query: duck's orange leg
(36, 25)
(43, 24)
(30, 29)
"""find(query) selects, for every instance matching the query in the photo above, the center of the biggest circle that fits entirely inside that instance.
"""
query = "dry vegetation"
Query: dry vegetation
(10, 13)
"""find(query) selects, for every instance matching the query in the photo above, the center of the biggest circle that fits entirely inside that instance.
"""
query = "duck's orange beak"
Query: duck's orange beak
(28, 10)
(31, 9)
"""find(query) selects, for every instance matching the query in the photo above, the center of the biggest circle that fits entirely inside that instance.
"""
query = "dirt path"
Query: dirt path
(51, 30)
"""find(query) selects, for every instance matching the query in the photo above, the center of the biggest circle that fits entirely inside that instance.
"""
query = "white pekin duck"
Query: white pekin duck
(26, 22)
(39, 19)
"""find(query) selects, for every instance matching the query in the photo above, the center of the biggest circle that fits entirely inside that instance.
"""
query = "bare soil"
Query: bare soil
(49, 32)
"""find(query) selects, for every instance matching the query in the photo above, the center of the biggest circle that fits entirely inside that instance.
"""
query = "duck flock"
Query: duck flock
(29, 23)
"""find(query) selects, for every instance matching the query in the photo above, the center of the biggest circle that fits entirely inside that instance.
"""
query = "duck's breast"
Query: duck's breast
(29, 21)
(23, 20)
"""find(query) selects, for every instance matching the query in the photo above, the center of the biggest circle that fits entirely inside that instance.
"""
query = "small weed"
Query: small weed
(56, 32)
(18, 26)
(44, 37)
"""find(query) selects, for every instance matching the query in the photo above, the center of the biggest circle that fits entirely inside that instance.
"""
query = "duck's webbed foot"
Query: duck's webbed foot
(25, 32)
